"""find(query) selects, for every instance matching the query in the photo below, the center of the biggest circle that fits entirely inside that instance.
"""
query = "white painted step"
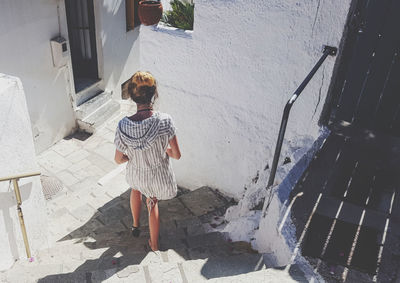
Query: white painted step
(88, 93)
(94, 112)
(90, 106)
(239, 268)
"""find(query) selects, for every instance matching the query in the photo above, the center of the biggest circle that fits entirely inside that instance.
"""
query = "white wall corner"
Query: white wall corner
(17, 156)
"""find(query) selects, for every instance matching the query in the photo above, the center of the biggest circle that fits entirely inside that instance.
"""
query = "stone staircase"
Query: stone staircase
(191, 247)
(97, 110)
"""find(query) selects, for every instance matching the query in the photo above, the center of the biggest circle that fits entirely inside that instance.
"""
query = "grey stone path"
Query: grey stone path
(90, 228)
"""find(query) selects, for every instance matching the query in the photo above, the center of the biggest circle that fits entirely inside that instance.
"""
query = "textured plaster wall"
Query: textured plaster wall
(25, 32)
(120, 49)
(25, 52)
(226, 83)
(17, 155)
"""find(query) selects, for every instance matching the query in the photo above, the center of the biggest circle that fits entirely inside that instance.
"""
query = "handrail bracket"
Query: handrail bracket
(332, 50)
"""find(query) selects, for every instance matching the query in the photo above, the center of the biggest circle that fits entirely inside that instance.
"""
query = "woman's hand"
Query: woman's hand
(120, 157)
(173, 151)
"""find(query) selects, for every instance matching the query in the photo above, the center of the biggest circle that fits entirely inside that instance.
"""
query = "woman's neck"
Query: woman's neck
(141, 107)
(141, 112)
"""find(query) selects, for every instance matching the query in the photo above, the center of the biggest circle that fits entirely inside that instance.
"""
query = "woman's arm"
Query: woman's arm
(173, 151)
(120, 157)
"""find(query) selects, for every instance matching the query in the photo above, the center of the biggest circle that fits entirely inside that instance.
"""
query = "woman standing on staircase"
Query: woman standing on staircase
(146, 140)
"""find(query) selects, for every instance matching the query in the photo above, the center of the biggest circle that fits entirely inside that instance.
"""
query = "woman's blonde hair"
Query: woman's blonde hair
(142, 87)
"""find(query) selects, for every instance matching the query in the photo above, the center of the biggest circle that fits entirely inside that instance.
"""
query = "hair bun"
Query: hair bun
(143, 79)
(142, 88)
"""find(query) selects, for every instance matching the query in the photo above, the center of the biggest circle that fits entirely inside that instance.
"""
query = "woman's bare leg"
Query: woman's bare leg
(136, 204)
(154, 223)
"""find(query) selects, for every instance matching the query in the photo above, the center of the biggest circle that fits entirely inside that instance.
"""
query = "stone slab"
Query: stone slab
(192, 221)
(204, 252)
(171, 242)
(53, 162)
(178, 255)
(132, 273)
(110, 204)
(65, 147)
(113, 214)
(88, 229)
(195, 230)
(79, 166)
(202, 201)
(77, 156)
(210, 239)
(93, 142)
(192, 270)
(34, 272)
(83, 213)
(173, 209)
(165, 272)
(106, 150)
(229, 266)
(101, 162)
(64, 224)
(67, 178)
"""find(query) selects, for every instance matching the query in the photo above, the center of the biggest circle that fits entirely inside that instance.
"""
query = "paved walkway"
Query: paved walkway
(90, 227)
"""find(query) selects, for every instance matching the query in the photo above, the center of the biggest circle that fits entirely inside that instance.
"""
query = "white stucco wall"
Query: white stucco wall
(120, 49)
(166, 5)
(17, 156)
(25, 32)
(25, 52)
(226, 83)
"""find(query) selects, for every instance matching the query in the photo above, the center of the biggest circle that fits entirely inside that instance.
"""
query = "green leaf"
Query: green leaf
(181, 15)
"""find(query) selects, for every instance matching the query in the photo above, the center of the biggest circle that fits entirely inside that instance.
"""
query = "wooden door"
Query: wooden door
(81, 30)
(367, 89)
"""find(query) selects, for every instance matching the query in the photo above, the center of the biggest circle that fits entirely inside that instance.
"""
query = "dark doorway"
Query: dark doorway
(366, 90)
(81, 30)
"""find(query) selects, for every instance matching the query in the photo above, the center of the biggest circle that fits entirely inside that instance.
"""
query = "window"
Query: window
(132, 18)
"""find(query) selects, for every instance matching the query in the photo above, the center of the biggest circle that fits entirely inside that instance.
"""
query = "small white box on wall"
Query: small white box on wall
(59, 50)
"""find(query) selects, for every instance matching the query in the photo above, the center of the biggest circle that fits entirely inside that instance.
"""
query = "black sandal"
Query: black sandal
(135, 231)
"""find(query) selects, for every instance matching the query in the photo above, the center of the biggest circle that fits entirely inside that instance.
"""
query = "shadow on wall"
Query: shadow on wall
(120, 47)
(7, 205)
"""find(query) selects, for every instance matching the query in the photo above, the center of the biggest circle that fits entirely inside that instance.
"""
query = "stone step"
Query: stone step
(216, 267)
(208, 239)
(105, 246)
(90, 106)
(90, 90)
(95, 119)
(102, 249)
(153, 268)
(213, 243)
(106, 265)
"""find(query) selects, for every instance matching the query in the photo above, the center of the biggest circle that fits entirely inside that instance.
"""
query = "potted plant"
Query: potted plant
(181, 16)
(150, 12)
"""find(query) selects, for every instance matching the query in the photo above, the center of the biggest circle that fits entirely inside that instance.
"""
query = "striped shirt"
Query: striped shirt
(145, 142)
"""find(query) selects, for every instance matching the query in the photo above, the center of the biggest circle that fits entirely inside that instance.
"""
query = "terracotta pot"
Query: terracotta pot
(150, 12)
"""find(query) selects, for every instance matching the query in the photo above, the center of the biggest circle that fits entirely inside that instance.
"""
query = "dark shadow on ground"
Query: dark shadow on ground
(185, 224)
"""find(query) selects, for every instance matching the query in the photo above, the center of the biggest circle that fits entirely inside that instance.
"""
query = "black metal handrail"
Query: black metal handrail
(328, 50)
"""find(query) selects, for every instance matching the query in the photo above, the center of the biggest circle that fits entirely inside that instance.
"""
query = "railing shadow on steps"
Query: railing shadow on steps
(328, 50)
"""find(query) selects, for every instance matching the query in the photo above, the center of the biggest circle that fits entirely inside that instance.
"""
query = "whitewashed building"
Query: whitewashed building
(230, 76)
(225, 83)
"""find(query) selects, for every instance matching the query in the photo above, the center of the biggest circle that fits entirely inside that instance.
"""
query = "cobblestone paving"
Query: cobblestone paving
(89, 226)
